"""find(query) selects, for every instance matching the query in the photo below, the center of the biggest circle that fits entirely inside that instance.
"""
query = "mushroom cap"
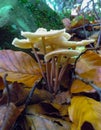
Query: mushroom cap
(64, 52)
(78, 43)
(42, 32)
(53, 42)
(23, 43)
(60, 42)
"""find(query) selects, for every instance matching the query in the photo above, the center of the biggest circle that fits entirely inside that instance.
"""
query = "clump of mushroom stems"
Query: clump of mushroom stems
(53, 73)
(54, 46)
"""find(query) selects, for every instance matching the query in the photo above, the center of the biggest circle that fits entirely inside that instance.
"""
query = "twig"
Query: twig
(85, 25)
(6, 86)
(99, 40)
(31, 94)
(88, 82)
(95, 10)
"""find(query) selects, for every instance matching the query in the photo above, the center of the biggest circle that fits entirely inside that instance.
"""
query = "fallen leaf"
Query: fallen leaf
(1, 84)
(63, 97)
(84, 109)
(18, 93)
(19, 66)
(8, 115)
(42, 123)
(78, 21)
(91, 75)
(88, 61)
(63, 110)
(89, 68)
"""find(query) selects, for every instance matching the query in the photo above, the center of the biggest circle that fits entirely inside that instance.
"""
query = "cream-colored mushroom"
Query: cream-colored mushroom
(61, 42)
(78, 43)
(37, 37)
(23, 43)
(52, 42)
(42, 32)
(64, 52)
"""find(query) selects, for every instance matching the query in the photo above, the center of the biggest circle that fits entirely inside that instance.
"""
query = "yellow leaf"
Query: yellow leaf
(88, 67)
(84, 109)
(91, 75)
(20, 67)
(78, 21)
(88, 61)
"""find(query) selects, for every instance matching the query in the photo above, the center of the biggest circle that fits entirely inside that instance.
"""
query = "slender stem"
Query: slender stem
(47, 75)
(52, 72)
(56, 77)
(39, 63)
(63, 69)
(43, 44)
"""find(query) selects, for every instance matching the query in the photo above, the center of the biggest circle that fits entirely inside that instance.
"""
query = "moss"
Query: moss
(44, 15)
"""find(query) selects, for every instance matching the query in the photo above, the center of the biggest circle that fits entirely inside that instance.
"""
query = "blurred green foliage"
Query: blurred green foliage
(44, 15)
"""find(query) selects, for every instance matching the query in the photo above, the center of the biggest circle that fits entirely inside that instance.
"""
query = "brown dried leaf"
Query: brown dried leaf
(40, 122)
(88, 61)
(88, 67)
(37, 120)
(18, 93)
(92, 75)
(19, 66)
(1, 84)
(8, 115)
(63, 97)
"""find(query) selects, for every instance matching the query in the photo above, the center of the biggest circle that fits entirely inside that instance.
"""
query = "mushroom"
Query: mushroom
(60, 42)
(42, 32)
(23, 43)
(62, 52)
(55, 47)
(37, 37)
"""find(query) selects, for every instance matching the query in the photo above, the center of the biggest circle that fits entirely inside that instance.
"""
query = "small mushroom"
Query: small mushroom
(23, 43)
(39, 37)
(42, 32)
(64, 52)
(61, 42)
(53, 42)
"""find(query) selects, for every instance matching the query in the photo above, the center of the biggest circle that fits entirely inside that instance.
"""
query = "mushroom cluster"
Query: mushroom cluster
(56, 48)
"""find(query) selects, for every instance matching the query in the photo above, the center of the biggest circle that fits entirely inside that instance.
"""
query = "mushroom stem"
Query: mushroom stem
(52, 75)
(39, 63)
(56, 77)
(61, 73)
(43, 44)
(48, 76)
